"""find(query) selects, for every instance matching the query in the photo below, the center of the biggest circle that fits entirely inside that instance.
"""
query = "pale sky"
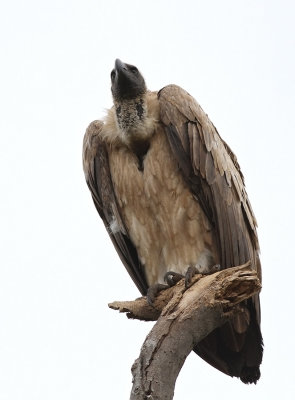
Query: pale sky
(58, 339)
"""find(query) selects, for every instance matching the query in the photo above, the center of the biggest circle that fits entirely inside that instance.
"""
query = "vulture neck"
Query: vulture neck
(135, 126)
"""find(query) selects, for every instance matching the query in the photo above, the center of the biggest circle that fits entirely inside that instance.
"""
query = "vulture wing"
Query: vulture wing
(99, 181)
(212, 172)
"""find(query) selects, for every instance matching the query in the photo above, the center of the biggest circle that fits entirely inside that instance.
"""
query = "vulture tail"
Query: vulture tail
(235, 354)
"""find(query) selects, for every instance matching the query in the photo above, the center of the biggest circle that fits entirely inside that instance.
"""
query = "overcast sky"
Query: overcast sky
(58, 339)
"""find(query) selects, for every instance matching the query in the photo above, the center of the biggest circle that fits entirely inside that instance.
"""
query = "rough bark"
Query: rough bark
(184, 317)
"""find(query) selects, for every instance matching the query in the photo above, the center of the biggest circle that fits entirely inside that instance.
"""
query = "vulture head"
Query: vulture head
(127, 82)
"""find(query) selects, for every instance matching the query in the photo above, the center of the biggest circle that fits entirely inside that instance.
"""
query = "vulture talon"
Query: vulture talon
(190, 273)
(171, 278)
(153, 292)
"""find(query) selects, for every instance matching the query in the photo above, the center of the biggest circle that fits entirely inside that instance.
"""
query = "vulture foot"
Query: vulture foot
(153, 291)
(197, 269)
(171, 278)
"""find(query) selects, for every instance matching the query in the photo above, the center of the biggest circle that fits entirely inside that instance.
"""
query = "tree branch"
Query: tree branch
(184, 317)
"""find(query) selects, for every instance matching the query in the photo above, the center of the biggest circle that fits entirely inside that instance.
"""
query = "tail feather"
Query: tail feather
(235, 354)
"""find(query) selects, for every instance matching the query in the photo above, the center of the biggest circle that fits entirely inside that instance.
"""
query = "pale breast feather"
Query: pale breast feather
(165, 222)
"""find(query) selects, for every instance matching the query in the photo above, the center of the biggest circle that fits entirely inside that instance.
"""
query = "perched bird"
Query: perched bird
(172, 197)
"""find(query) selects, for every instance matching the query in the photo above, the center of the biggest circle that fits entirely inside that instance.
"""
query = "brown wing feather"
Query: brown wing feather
(211, 170)
(212, 161)
(98, 178)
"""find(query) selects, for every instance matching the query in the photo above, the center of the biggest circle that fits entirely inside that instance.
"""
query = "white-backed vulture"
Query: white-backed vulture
(171, 195)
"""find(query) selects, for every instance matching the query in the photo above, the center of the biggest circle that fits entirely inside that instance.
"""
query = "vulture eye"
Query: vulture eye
(133, 69)
(113, 74)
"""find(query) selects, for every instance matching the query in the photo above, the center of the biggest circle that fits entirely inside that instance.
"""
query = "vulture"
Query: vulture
(172, 197)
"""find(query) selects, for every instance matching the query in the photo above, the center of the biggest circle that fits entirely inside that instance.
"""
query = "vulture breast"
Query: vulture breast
(163, 218)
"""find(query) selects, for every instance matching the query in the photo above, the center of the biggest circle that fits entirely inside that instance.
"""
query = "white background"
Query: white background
(58, 339)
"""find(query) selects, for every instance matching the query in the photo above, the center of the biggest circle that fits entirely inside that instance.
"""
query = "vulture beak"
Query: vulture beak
(127, 82)
(120, 66)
